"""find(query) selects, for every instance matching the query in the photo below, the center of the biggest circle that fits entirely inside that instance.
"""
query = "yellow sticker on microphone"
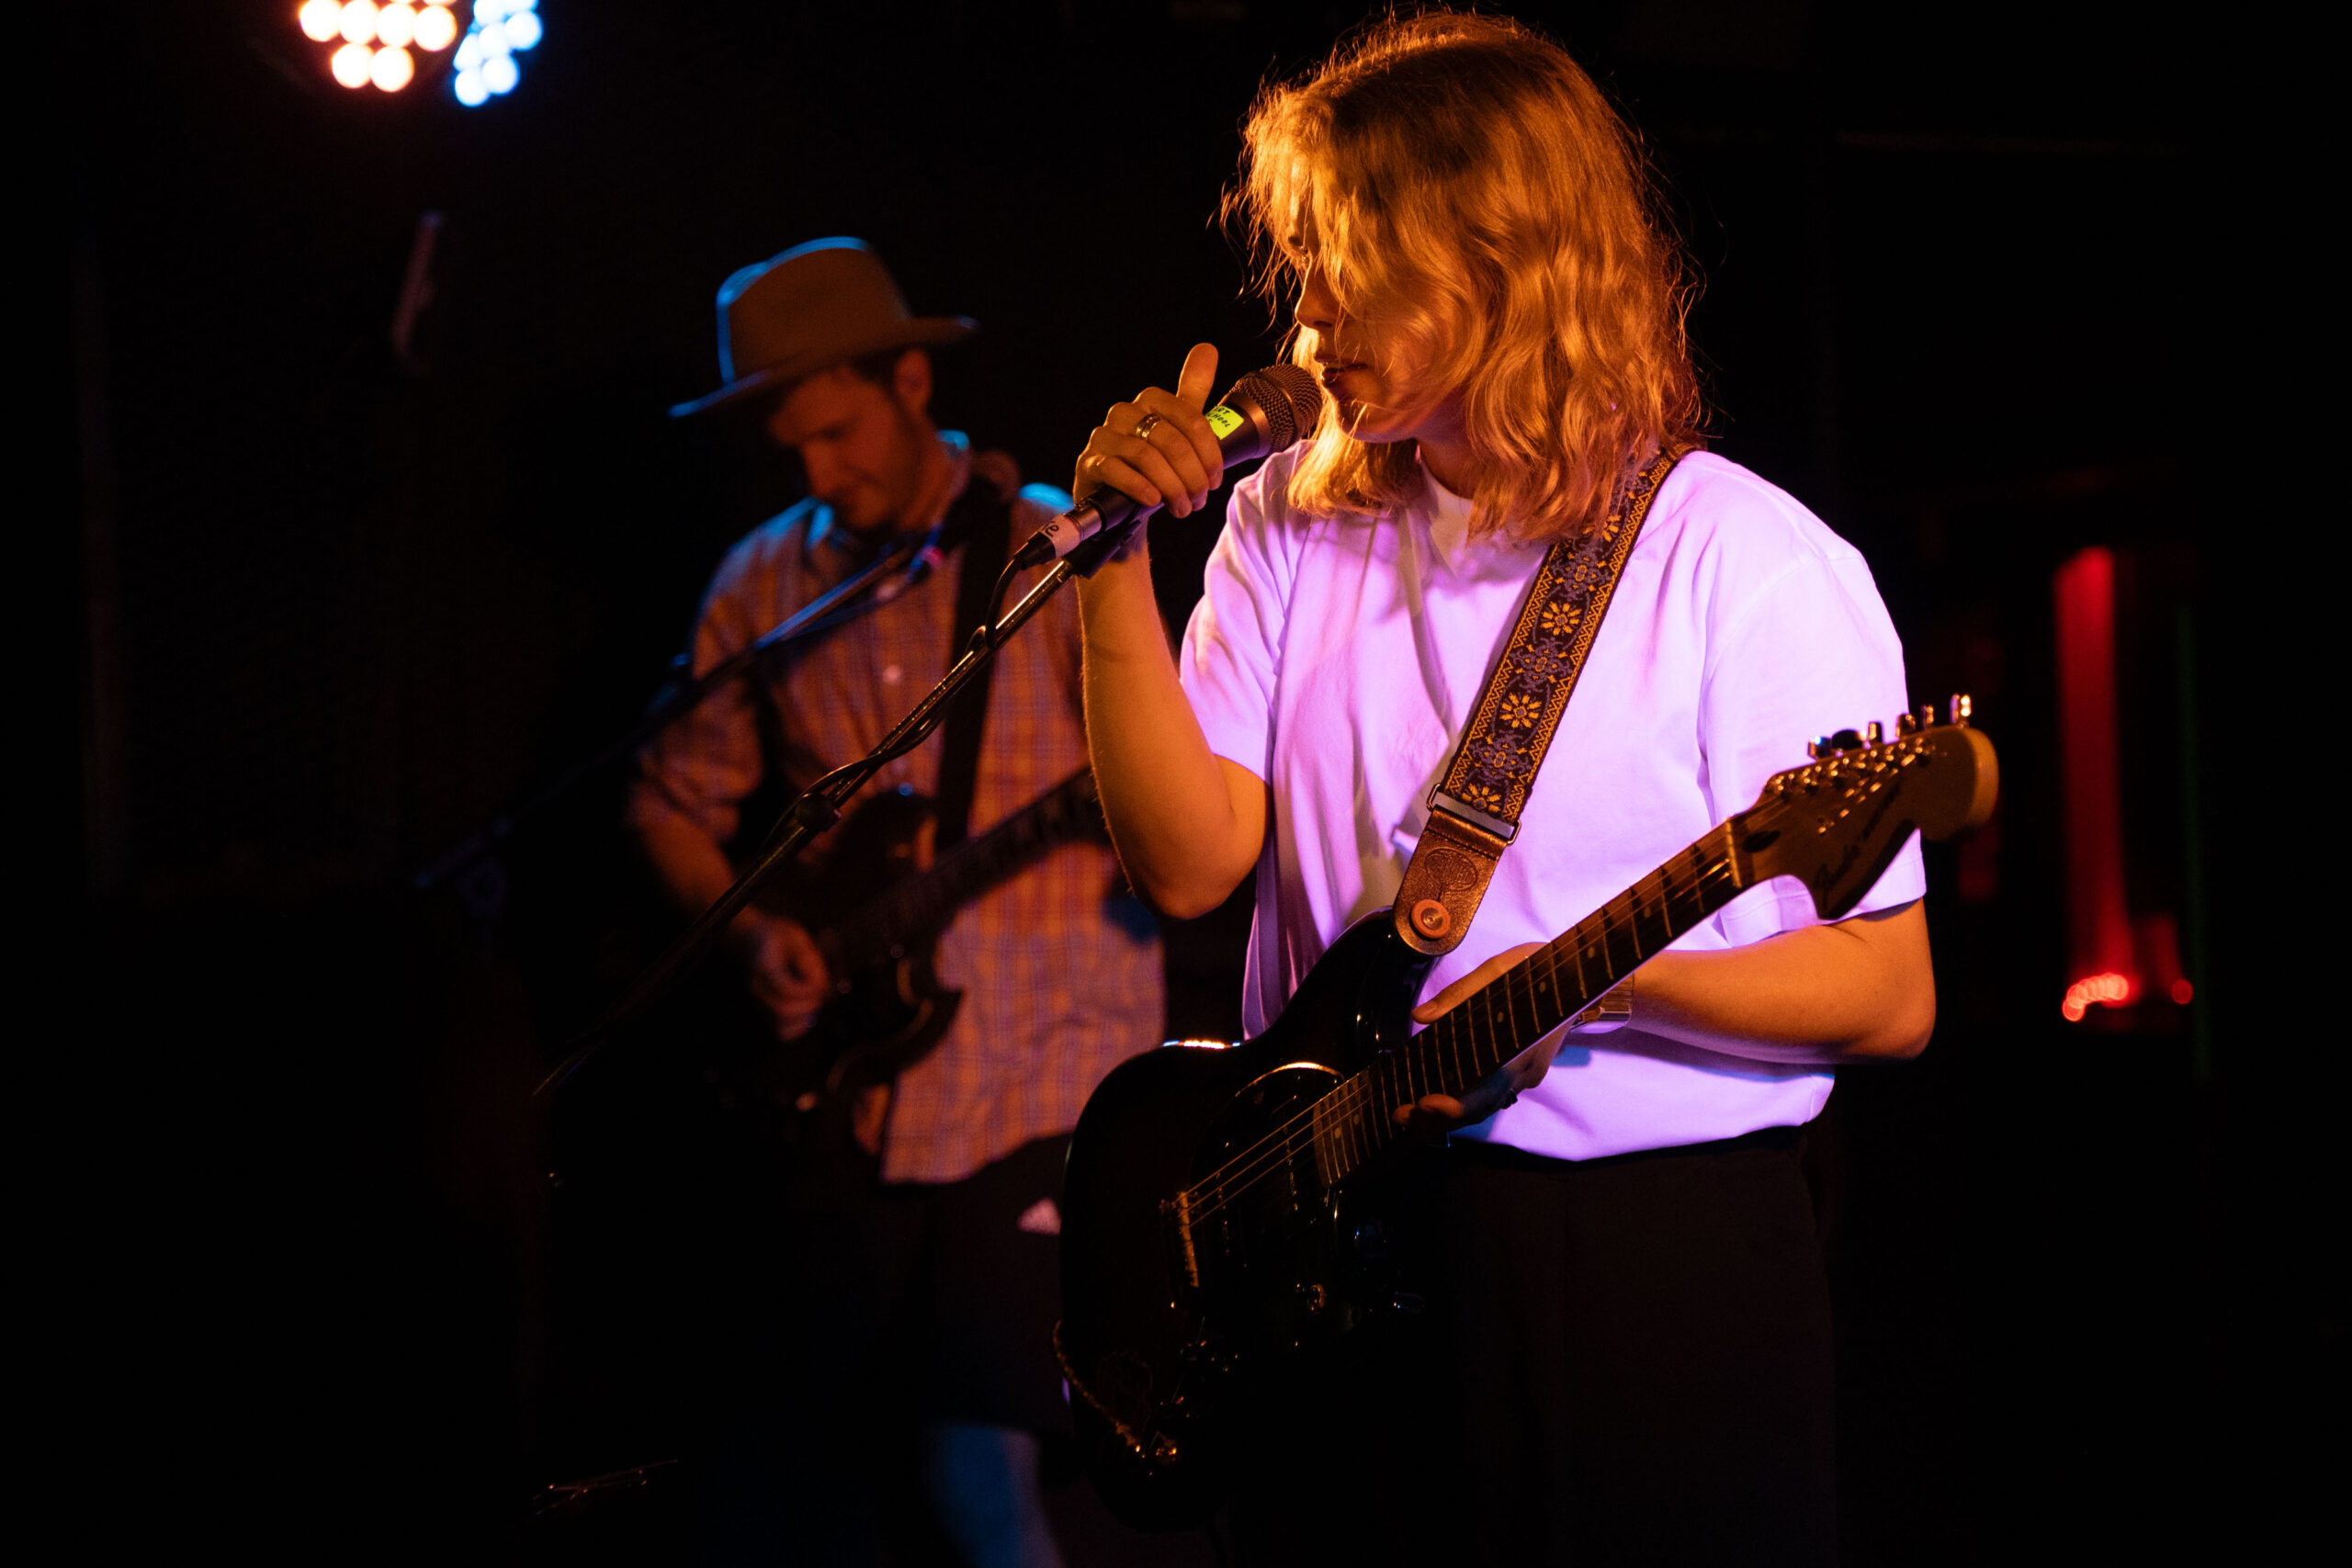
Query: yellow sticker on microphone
(1225, 420)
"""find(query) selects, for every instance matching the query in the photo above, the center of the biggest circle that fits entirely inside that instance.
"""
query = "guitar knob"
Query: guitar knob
(1926, 716)
(1907, 724)
(1871, 734)
(1817, 748)
(1844, 740)
(1961, 709)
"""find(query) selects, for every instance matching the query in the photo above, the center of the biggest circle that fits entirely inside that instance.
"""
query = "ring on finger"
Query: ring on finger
(1144, 427)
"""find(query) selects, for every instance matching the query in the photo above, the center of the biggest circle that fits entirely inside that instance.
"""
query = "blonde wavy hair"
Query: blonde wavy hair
(1472, 198)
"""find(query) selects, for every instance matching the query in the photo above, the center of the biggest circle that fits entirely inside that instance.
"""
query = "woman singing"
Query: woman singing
(1629, 1357)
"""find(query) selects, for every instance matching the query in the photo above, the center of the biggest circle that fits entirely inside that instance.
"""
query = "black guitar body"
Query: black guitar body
(1169, 1319)
(1226, 1210)
(888, 1010)
(877, 915)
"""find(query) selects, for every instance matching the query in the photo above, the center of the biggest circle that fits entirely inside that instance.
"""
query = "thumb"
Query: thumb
(1200, 374)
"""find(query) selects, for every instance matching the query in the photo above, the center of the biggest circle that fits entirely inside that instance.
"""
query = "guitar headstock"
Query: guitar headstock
(1837, 823)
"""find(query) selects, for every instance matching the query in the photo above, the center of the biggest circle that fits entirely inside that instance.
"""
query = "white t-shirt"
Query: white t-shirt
(1338, 660)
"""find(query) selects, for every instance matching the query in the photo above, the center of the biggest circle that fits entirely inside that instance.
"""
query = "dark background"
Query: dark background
(1965, 293)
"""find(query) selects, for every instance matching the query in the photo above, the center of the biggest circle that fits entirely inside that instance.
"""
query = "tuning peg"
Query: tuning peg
(1962, 708)
(1906, 723)
(1871, 734)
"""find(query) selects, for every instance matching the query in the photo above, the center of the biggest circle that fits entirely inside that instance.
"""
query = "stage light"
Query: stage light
(435, 29)
(391, 69)
(395, 25)
(382, 40)
(485, 58)
(379, 39)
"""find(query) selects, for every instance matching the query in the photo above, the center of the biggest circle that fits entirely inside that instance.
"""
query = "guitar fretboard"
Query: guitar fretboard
(924, 904)
(1501, 1020)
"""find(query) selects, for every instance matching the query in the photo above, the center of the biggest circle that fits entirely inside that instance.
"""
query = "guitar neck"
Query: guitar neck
(926, 903)
(1510, 1015)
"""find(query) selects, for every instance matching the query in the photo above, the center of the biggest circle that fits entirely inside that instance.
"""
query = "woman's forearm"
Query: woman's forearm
(1859, 989)
(1187, 823)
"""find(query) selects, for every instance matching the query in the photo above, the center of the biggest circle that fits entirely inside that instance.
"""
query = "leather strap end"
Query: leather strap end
(1445, 883)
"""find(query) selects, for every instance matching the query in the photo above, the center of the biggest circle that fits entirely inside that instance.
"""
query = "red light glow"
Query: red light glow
(2109, 989)
(2090, 777)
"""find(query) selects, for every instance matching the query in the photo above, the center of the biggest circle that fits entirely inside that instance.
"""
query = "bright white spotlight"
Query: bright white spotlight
(391, 69)
(470, 91)
(320, 20)
(359, 21)
(494, 38)
(395, 25)
(435, 29)
(350, 64)
(522, 29)
(498, 74)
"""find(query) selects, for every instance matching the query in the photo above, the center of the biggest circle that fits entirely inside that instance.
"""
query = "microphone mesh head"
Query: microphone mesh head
(1292, 399)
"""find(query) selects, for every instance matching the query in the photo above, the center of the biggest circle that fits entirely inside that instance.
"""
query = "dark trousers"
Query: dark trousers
(1626, 1360)
(893, 1307)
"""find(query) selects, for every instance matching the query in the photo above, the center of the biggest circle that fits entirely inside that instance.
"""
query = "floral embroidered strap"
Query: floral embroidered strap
(1474, 811)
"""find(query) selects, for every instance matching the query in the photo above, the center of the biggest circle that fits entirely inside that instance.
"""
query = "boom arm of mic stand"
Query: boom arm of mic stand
(819, 806)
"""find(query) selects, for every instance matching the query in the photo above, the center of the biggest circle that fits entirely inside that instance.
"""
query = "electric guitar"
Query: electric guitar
(878, 920)
(1217, 1219)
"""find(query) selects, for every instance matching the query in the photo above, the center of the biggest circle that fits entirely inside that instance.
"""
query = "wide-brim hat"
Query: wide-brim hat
(814, 306)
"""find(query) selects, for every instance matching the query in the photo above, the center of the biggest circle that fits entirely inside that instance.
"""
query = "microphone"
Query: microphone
(1265, 411)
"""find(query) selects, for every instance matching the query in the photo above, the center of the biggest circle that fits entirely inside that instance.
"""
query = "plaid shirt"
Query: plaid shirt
(1060, 968)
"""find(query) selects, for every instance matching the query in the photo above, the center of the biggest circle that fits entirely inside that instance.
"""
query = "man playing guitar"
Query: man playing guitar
(938, 1284)
(1630, 1356)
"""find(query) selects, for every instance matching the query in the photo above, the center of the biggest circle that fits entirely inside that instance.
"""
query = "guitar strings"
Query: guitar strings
(1242, 1170)
(1343, 1105)
(1274, 1151)
(1246, 1167)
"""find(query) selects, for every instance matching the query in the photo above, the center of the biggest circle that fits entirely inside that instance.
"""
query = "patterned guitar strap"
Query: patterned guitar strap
(1475, 809)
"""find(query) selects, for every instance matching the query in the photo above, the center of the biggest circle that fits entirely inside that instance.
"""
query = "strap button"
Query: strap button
(1430, 918)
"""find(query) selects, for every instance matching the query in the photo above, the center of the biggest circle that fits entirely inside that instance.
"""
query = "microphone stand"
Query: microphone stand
(823, 614)
(819, 806)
